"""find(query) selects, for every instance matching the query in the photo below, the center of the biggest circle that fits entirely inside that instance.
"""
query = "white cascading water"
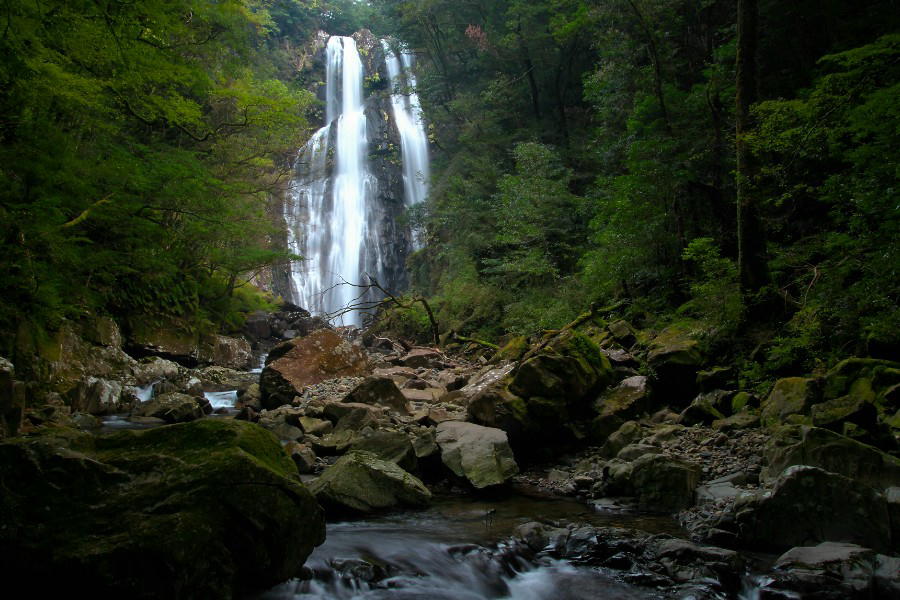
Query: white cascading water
(331, 212)
(408, 115)
(331, 202)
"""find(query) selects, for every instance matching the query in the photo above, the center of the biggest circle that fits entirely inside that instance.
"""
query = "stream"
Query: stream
(454, 550)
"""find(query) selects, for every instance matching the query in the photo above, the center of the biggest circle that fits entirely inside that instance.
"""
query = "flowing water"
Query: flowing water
(331, 211)
(408, 116)
(449, 551)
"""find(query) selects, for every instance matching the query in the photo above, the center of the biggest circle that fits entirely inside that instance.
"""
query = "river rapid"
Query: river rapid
(458, 549)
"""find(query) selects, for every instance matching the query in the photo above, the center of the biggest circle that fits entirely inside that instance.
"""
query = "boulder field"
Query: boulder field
(621, 418)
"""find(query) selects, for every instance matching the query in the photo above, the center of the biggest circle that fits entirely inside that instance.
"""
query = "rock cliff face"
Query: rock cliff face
(345, 210)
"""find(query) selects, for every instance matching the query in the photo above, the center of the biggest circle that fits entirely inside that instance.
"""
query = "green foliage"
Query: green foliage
(716, 296)
(138, 146)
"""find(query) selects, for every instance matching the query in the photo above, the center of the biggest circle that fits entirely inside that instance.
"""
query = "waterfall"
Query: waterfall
(408, 115)
(340, 216)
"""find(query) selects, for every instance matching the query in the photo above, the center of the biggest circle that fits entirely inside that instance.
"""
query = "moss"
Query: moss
(515, 349)
(740, 400)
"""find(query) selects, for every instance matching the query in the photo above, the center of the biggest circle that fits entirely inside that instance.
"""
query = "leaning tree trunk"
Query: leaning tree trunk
(750, 235)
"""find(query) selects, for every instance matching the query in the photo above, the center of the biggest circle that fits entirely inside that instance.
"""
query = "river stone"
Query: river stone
(381, 391)
(362, 482)
(224, 351)
(97, 396)
(706, 408)
(835, 570)
(675, 358)
(626, 401)
(810, 505)
(802, 445)
(302, 362)
(392, 446)
(635, 451)
(173, 408)
(315, 426)
(152, 369)
(664, 484)
(629, 433)
(790, 401)
(423, 357)
(303, 456)
(480, 454)
(210, 509)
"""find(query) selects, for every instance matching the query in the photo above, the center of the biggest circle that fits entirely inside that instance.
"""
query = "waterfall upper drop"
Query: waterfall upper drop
(345, 208)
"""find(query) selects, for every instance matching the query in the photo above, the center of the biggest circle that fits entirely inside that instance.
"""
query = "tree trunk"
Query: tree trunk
(750, 235)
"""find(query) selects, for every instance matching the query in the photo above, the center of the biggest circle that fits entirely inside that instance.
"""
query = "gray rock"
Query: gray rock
(809, 505)
(635, 451)
(173, 408)
(801, 445)
(380, 391)
(362, 482)
(833, 570)
(664, 484)
(480, 454)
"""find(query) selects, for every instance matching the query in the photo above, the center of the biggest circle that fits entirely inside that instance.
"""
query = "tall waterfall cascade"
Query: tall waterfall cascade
(354, 180)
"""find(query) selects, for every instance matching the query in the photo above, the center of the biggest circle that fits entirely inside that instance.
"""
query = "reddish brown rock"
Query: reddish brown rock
(309, 360)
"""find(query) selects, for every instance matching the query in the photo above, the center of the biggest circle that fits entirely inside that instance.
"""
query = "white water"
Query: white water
(408, 116)
(221, 399)
(331, 212)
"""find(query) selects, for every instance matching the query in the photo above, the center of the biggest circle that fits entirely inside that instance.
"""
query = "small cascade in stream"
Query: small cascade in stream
(354, 179)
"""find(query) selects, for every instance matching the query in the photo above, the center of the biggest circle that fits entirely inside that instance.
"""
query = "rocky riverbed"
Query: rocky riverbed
(623, 422)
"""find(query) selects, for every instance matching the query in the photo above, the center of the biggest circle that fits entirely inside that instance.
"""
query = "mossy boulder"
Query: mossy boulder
(664, 484)
(813, 446)
(173, 408)
(706, 408)
(790, 401)
(841, 378)
(209, 509)
(808, 505)
(361, 482)
(675, 356)
(392, 446)
(628, 400)
(514, 349)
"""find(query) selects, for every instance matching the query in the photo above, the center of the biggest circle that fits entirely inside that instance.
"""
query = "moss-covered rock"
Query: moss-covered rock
(362, 482)
(515, 349)
(675, 356)
(802, 445)
(628, 400)
(664, 484)
(790, 401)
(706, 408)
(211, 509)
(392, 446)
(841, 378)
(808, 505)
(173, 408)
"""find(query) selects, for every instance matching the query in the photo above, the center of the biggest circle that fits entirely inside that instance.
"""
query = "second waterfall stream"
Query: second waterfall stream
(354, 179)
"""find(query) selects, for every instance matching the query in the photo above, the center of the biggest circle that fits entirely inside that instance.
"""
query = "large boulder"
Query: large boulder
(802, 445)
(392, 446)
(790, 401)
(628, 400)
(211, 509)
(173, 408)
(675, 357)
(480, 454)
(380, 391)
(834, 571)
(228, 352)
(97, 396)
(305, 361)
(362, 482)
(664, 484)
(809, 505)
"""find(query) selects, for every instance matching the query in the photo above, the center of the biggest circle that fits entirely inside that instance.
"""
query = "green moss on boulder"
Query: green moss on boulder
(212, 508)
